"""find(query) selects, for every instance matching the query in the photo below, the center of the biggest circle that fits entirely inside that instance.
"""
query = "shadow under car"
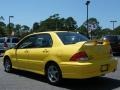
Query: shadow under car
(97, 83)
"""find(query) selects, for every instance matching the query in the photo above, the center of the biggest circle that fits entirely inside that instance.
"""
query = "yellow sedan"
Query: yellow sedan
(60, 54)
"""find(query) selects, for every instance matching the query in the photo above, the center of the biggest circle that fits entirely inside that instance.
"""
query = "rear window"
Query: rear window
(71, 37)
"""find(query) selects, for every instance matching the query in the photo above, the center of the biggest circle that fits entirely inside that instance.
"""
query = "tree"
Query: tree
(106, 31)
(70, 24)
(2, 26)
(50, 24)
(2, 18)
(35, 27)
(56, 23)
(92, 23)
(25, 28)
(116, 31)
(10, 29)
(2, 29)
(83, 30)
(17, 30)
(94, 28)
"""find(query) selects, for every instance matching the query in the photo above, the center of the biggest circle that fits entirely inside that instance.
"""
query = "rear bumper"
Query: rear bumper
(83, 70)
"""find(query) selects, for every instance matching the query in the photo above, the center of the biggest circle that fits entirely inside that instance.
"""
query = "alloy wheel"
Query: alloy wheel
(7, 65)
(53, 74)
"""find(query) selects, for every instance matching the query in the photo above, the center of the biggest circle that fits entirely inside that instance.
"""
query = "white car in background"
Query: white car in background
(7, 43)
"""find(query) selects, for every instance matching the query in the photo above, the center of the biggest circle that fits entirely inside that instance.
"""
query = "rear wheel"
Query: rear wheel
(53, 73)
(7, 65)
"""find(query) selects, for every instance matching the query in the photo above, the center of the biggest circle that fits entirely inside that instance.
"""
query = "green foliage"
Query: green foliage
(10, 28)
(17, 30)
(70, 24)
(94, 29)
(35, 27)
(93, 24)
(116, 31)
(25, 28)
(57, 23)
(2, 29)
(83, 30)
(106, 31)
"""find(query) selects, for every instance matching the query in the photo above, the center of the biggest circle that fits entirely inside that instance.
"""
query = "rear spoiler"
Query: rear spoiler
(104, 42)
(96, 42)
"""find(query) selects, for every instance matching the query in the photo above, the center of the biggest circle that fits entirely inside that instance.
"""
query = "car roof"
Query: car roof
(47, 32)
(51, 31)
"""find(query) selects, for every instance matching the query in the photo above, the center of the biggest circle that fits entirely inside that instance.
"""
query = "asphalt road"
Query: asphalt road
(21, 80)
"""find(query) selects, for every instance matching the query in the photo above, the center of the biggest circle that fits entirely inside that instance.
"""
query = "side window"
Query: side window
(27, 43)
(43, 40)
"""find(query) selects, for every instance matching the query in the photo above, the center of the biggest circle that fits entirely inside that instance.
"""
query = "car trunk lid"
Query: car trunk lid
(96, 50)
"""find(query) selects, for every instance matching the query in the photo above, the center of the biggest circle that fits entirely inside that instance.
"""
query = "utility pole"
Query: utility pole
(87, 4)
(9, 23)
(113, 22)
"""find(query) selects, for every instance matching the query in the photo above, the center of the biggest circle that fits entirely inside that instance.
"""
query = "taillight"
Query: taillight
(80, 56)
(5, 44)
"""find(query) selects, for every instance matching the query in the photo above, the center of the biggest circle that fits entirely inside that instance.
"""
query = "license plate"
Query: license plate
(104, 68)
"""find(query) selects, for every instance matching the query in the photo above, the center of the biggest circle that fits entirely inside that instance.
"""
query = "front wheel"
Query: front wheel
(7, 65)
(53, 74)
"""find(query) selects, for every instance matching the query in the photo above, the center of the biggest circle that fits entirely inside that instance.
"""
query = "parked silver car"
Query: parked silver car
(6, 43)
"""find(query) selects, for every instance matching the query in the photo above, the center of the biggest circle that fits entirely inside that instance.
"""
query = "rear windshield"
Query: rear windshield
(71, 37)
(2, 40)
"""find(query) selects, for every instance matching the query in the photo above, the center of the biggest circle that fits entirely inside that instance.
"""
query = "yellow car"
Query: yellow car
(60, 54)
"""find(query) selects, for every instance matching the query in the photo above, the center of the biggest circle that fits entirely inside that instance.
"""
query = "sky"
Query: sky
(26, 12)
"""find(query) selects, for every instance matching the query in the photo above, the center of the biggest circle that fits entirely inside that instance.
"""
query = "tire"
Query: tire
(7, 65)
(53, 74)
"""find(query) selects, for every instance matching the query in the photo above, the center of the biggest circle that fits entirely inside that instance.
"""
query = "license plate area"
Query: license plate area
(104, 68)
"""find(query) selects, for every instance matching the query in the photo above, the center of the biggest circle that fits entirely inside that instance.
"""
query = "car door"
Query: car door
(40, 52)
(22, 52)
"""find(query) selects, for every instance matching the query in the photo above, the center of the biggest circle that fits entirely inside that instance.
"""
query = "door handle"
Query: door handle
(26, 51)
